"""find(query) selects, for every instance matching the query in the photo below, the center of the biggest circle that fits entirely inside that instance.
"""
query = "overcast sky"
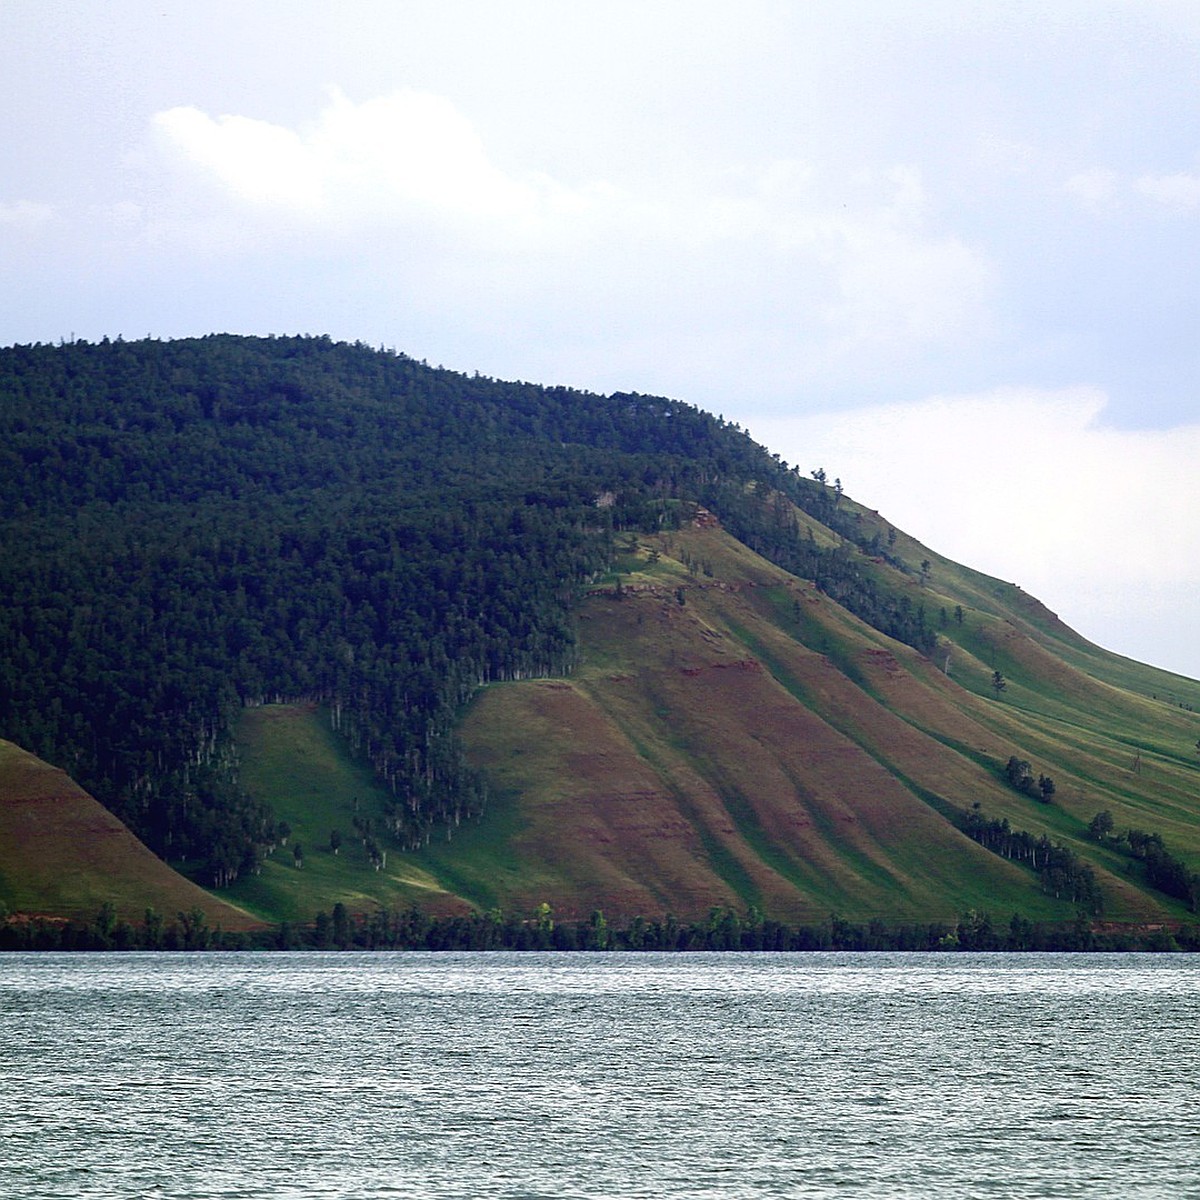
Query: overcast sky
(947, 251)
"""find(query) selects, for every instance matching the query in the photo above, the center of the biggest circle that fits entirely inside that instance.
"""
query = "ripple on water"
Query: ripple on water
(408, 1075)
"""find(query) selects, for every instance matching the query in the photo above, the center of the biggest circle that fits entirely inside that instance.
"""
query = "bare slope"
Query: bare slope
(62, 854)
(736, 738)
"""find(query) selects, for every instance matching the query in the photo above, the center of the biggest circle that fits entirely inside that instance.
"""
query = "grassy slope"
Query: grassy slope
(758, 745)
(63, 854)
(1113, 733)
(293, 759)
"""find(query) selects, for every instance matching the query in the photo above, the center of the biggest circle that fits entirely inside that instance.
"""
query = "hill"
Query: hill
(734, 738)
(479, 645)
(63, 855)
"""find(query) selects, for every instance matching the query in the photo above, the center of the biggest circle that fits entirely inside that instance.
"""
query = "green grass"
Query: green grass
(294, 761)
(477, 860)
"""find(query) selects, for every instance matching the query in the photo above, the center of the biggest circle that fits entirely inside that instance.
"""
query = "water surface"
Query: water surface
(590, 1075)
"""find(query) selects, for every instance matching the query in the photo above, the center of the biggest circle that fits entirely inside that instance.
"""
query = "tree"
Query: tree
(335, 840)
(194, 927)
(1100, 826)
(152, 930)
(544, 926)
(1020, 774)
(298, 854)
(341, 926)
(104, 923)
(1020, 932)
(322, 931)
(975, 932)
(999, 683)
(597, 932)
(1046, 787)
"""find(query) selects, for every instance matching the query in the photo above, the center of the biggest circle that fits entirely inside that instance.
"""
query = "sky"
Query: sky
(945, 251)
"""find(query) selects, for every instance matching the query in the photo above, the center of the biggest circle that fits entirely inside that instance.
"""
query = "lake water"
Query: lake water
(586, 1075)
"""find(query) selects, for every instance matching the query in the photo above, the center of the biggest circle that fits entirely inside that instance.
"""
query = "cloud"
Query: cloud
(1033, 487)
(1180, 192)
(357, 162)
(1102, 191)
(24, 215)
(834, 264)
(257, 161)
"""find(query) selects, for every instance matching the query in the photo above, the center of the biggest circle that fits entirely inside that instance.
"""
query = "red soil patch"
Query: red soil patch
(64, 854)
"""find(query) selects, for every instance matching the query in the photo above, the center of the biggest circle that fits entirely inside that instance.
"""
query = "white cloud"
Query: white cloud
(1032, 487)
(1102, 191)
(889, 281)
(1180, 192)
(415, 147)
(25, 214)
(357, 162)
(838, 264)
(257, 161)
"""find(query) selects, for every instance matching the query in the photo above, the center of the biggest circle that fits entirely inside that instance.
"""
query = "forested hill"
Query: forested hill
(191, 527)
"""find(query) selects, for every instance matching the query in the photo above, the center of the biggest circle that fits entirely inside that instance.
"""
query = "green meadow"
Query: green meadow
(293, 760)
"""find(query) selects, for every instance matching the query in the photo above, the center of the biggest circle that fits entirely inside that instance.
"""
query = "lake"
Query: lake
(590, 1075)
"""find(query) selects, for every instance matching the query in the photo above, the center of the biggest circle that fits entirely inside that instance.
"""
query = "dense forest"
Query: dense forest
(194, 526)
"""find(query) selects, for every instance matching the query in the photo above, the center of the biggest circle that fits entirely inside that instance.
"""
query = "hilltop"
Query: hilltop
(326, 626)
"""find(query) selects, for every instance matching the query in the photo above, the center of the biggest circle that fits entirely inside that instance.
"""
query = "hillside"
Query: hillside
(325, 626)
(736, 739)
(63, 855)
(733, 739)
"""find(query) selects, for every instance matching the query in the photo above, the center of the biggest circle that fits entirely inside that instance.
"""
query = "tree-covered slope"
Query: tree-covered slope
(707, 677)
(192, 527)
